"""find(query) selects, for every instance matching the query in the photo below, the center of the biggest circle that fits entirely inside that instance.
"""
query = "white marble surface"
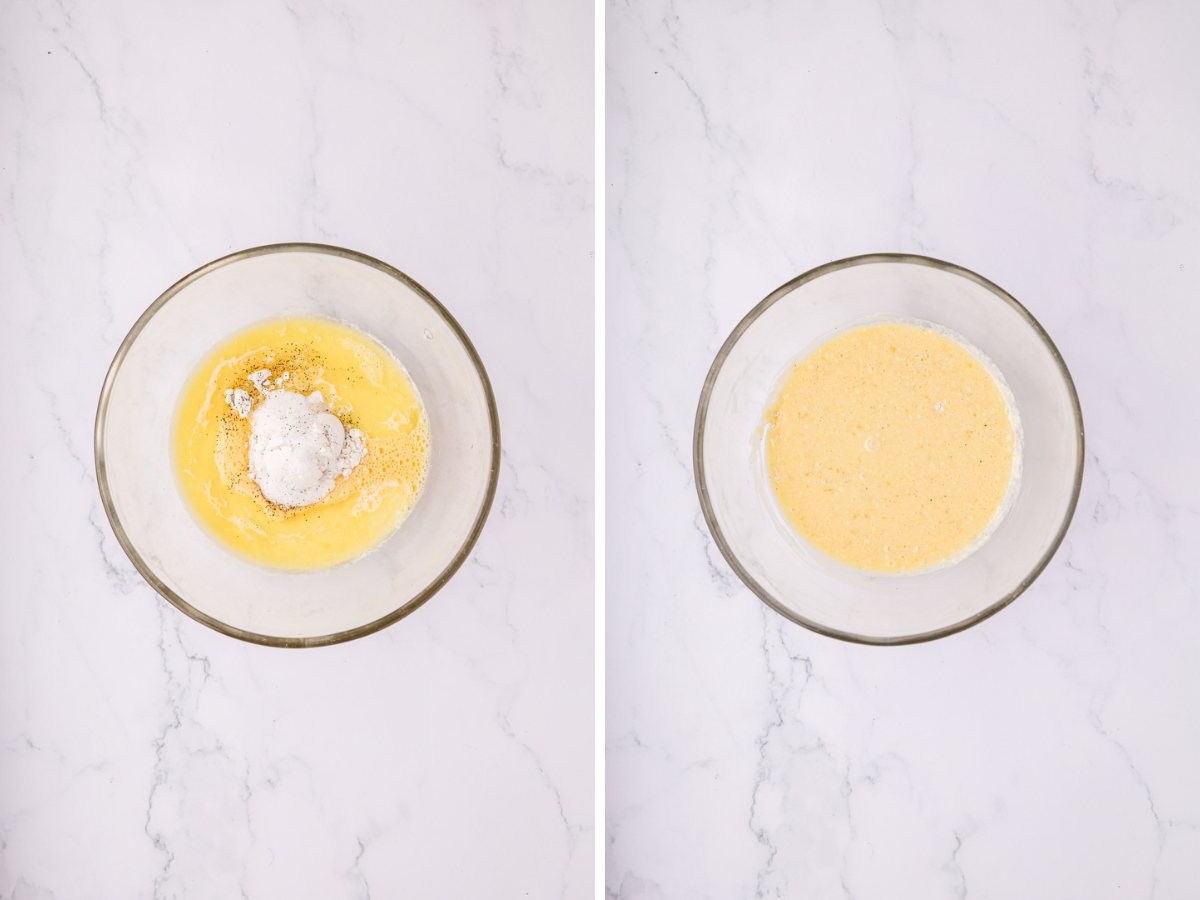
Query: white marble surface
(142, 755)
(1050, 752)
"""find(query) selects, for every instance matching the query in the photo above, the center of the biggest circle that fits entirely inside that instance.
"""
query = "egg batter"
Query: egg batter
(890, 448)
(352, 411)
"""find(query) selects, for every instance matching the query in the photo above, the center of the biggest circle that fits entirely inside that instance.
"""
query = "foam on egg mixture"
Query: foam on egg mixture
(891, 448)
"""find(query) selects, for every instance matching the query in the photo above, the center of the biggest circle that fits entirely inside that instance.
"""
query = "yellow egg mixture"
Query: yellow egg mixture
(365, 387)
(890, 448)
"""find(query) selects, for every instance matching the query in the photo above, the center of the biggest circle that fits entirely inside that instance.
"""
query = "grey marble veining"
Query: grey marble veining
(1048, 752)
(143, 756)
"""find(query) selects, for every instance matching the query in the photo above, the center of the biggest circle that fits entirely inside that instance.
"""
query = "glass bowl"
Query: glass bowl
(794, 578)
(188, 566)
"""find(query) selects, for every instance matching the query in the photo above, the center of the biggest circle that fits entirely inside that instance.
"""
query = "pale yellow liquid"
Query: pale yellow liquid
(365, 387)
(890, 448)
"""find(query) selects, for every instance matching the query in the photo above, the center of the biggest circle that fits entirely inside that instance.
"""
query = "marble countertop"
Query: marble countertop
(1050, 751)
(142, 755)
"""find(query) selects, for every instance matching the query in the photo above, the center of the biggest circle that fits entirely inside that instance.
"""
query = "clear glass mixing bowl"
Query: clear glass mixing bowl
(805, 585)
(181, 560)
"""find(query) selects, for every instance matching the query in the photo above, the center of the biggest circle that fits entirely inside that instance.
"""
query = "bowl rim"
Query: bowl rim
(410, 605)
(702, 417)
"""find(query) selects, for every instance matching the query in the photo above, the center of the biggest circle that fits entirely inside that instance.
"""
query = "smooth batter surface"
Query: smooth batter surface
(890, 448)
(366, 388)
